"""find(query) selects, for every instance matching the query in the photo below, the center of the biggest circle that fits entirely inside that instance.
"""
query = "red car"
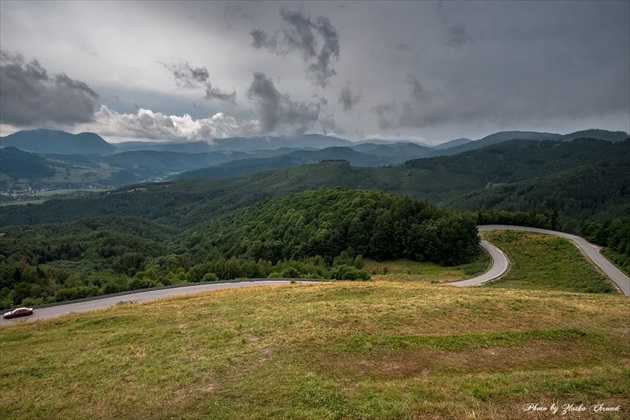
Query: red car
(18, 312)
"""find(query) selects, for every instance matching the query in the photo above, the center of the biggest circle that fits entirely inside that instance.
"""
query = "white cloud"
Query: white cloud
(146, 124)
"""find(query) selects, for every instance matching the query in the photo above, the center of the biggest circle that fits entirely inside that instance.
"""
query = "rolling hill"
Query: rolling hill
(21, 170)
(289, 160)
(55, 141)
(503, 136)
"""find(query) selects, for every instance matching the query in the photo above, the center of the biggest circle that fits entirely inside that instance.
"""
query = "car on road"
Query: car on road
(18, 312)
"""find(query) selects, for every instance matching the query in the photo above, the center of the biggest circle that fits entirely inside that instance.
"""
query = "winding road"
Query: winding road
(500, 263)
(500, 266)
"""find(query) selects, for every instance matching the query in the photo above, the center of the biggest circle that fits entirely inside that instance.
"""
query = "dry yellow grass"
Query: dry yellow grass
(379, 349)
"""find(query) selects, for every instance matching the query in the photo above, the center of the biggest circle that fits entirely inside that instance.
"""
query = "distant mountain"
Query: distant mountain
(20, 170)
(240, 144)
(503, 136)
(289, 160)
(152, 163)
(452, 143)
(402, 151)
(315, 141)
(178, 147)
(55, 141)
(614, 136)
(15, 163)
(495, 138)
(386, 142)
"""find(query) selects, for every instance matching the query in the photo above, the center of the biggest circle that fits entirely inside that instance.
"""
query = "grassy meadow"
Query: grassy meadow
(546, 262)
(388, 348)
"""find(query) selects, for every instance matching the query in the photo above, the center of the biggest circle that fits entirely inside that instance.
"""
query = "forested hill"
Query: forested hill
(521, 159)
(330, 221)
(322, 234)
(487, 172)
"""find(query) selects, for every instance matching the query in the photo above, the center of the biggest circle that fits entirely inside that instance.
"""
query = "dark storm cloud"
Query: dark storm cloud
(316, 41)
(570, 66)
(323, 69)
(214, 93)
(28, 95)
(418, 93)
(402, 47)
(298, 33)
(260, 39)
(384, 113)
(277, 111)
(457, 36)
(190, 77)
(329, 123)
(348, 98)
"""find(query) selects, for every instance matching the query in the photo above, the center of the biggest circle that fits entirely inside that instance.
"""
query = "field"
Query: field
(67, 191)
(388, 348)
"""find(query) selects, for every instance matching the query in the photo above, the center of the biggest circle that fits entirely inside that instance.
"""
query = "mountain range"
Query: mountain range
(60, 142)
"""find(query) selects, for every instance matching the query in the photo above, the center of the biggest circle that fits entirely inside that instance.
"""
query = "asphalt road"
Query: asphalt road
(591, 251)
(500, 266)
(105, 302)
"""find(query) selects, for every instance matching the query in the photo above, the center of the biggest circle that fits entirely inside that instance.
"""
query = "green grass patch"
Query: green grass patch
(407, 270)
(546, 262)
(457, 342)
(621, 261)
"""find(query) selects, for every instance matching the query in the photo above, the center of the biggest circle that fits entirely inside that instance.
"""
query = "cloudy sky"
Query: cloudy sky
(431, 71)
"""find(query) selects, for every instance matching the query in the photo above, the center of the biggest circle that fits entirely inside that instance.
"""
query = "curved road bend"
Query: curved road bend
(104, 302)
(591, 251)
(500, 265)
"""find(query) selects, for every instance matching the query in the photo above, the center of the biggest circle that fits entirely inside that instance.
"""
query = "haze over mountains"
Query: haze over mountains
(61, 142)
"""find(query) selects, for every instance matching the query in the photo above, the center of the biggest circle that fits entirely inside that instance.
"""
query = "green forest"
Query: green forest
(315, 234)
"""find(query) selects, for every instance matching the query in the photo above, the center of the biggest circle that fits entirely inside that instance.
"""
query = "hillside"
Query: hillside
(17, 164)
(315, 234)
(505, 136)
(439, 180)
(614, 136)
(22, 170)
(289, 160)
(177, 147)
(400, 150)
(151, 164)
(452, 143)
(382, 349)
(584, 192)
(55, 141)
(329, 221)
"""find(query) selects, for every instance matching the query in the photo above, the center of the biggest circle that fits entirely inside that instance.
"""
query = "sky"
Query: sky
(424, 71)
